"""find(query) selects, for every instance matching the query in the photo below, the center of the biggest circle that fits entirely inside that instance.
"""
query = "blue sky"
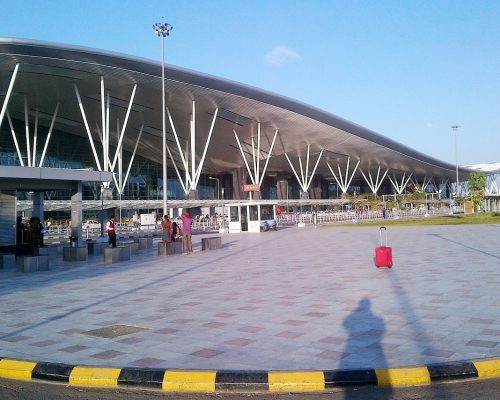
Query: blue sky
(406, 69)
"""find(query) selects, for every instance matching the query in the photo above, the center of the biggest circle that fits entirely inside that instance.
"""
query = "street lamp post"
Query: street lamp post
(163, 29)
(216, 179)
(102, 210)
(455, 131)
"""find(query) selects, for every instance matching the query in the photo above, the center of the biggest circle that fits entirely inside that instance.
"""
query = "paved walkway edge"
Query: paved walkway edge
(171, 380)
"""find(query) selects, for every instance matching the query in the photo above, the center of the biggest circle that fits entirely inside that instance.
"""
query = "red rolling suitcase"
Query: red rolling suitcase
(383, 254)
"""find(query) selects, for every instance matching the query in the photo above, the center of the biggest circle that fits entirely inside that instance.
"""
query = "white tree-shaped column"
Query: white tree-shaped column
(192, 172)
(256, 176)
(305, 179)
(344, 181)
(399, 186)
(374, 183)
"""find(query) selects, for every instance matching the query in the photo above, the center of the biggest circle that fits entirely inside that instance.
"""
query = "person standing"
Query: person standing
(187, 244)
(166, 228)
(33, 234)
(175, 231)
(110, 227)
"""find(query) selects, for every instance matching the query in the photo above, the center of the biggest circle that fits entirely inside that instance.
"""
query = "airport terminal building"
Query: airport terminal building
(81, 124)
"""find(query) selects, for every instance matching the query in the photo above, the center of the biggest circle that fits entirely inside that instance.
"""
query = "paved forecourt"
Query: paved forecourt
(293, 306)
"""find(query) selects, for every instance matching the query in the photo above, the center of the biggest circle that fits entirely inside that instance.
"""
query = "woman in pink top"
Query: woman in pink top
(187, 245)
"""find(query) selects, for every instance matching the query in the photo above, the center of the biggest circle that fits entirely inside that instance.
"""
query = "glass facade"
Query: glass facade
(69, 151)
(145, 179)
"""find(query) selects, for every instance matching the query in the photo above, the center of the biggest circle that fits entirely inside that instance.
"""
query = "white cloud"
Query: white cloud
(281, 55)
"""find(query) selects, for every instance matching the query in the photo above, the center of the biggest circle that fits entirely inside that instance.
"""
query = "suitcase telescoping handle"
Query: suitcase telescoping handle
(385, 230)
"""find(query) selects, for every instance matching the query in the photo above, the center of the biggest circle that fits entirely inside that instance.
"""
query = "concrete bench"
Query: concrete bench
(96, 248)
(164, 248)
(116, 254)
(134, 247)
(7, 260)
(79, 253)
(144, 242)
(32, 263)
(51, 251)
(211, 243)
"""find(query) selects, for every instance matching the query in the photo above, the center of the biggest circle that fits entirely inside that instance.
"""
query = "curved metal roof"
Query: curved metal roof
(48, 72)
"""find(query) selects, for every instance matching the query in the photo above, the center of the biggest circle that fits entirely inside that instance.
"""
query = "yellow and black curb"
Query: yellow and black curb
(173, 380)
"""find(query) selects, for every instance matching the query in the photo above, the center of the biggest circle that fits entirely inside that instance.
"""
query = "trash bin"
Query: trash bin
(73, 241)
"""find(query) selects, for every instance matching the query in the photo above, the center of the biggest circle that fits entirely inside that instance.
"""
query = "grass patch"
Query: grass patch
(483, 218)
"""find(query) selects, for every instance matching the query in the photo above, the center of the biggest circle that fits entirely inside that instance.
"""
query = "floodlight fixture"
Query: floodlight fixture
(162, 29)
(455, 131)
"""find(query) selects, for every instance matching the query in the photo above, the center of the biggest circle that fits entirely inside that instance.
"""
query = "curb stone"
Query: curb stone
(172, 380)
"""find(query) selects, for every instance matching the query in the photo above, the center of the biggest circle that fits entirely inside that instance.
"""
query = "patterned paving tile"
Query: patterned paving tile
(482, 321)
(294, 322)
(214, 325)
(225, 315)
(332, 340)
(482, 343)
(289, 335)
(147, 362)
(44, 343)
(316, 314)
(166, 331)
(15, 339)
(74, 349)
(239, 342)
(491, 332)
(438, 353)
(206, 353)
(331, 355)
(131, 340)
(19, 325)
(107, 354)
(70, 331)
(250, 329)
(182, 321)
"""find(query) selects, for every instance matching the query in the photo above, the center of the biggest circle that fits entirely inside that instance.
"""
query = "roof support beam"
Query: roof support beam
(120, 139)
(492, 186)
(344, 183)
(27, 129)
(103, 117)
(176, 137)
(48, 135)
(9, 92)
(374, 185)
(184, 186)
(256, 176)
(192, 171)
(400, 187)
(424, 184)
(133, 156)
(89, 134)
(14, 136)
(202, 161)
(35, 136)
(305, 180)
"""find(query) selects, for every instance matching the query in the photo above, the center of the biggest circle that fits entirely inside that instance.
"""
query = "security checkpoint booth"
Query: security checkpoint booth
(256, 216)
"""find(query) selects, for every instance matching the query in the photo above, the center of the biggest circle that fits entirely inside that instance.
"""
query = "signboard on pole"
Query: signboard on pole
(250, 188)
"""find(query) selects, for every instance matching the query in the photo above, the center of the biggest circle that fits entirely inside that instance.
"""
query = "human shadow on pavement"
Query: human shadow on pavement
(419, 332)
(365, 331)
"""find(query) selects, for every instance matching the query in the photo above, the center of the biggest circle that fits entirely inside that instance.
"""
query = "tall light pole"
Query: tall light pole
(163, 29)
(102, 210)
(216, 179)
(455, 131)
